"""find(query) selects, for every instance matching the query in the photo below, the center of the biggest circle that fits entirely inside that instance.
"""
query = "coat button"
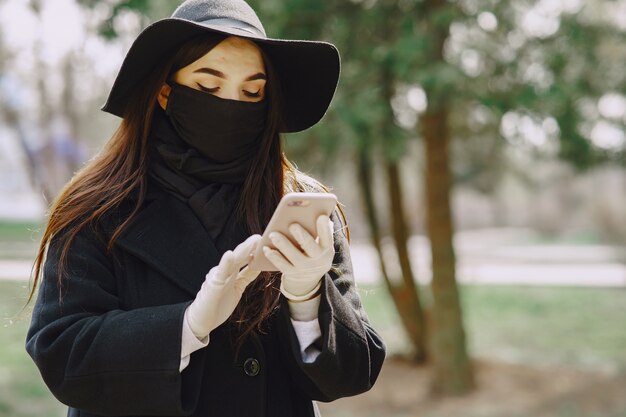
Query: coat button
(251, 367)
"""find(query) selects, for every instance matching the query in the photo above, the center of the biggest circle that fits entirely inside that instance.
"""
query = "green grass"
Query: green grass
(581, 327)
(534, 325)
(19, 241)
(22, 392)
(20, 231)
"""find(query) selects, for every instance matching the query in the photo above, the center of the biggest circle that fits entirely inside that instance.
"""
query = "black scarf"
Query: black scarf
(210, 189)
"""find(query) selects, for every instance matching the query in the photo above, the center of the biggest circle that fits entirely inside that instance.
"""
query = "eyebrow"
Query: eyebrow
(207, 70)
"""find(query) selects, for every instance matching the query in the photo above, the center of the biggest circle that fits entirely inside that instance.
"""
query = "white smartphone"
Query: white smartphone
(300, 207)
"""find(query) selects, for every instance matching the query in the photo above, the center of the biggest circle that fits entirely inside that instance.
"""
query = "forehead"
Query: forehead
(233, 53)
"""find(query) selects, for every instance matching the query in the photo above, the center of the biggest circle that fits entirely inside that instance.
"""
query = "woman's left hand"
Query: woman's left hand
(302, 272)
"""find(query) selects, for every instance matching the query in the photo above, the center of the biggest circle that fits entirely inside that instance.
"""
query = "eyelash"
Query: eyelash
(213, 90)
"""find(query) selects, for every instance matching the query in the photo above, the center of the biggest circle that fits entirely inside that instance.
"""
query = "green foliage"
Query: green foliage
(147, 11)
(388, 43)
(547, 76)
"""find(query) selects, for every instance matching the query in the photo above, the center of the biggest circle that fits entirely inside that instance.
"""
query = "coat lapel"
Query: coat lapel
(169, 237)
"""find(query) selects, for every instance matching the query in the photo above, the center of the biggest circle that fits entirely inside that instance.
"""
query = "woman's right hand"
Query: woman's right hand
(222, 289)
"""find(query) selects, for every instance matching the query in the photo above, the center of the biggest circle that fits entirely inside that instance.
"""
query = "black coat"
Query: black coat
(112, 346)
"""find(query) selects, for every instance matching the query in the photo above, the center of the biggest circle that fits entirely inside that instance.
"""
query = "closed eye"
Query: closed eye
(249, 94)
(208, 90)
(214, 90)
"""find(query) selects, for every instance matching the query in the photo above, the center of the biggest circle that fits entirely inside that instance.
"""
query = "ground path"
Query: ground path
(486, 256)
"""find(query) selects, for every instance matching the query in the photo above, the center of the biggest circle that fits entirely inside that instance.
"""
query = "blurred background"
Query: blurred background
(478, 147)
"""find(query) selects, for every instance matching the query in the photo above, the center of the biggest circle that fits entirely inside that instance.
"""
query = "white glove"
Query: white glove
(302, 272)
(222, 289)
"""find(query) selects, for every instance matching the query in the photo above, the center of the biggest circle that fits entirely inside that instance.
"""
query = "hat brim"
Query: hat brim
(308, 70)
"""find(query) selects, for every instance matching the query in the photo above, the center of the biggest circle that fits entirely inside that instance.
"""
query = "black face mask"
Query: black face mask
(223, 130)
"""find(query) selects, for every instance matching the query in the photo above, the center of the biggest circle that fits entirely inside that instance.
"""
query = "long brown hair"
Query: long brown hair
(120, 169)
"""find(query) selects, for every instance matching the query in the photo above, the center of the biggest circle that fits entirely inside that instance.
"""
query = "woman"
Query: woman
(127, 320)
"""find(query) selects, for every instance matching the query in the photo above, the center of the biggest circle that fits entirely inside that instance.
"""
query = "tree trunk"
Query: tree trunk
(407, 297)
(452, 368)
(408, 310)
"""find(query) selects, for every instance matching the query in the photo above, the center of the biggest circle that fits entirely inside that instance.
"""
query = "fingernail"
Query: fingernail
(295, 230)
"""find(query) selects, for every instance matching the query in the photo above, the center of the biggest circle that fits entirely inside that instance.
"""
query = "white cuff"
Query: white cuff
(190, 343)
(308, 332)
(304, 310)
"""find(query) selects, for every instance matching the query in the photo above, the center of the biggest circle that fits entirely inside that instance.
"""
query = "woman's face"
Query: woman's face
(233, 70)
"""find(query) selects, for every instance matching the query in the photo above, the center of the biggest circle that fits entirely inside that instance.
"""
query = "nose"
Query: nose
(231, 93)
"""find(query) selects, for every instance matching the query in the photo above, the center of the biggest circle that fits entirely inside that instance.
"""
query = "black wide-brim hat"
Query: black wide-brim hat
(308, 70)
